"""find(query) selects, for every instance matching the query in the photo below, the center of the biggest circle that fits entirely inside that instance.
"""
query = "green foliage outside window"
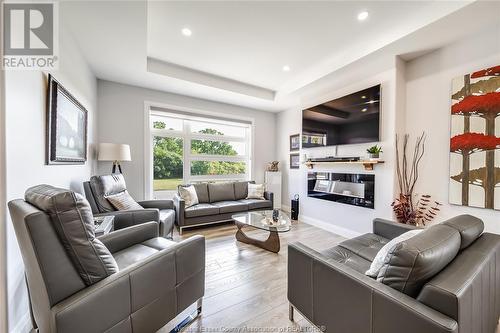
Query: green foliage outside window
(168, 157)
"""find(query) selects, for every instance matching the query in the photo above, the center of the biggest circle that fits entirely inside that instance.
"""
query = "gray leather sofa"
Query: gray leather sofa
(217, 203)
(445, 279)
(130, 280)
(161, 211)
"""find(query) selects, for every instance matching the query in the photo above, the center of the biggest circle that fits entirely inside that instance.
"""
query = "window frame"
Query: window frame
(187, 136)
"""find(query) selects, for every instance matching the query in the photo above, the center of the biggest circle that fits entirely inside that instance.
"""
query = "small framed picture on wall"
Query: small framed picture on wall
(294, 161)
(295, 142)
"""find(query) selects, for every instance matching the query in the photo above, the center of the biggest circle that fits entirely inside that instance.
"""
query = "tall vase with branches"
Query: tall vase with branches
(411, 209)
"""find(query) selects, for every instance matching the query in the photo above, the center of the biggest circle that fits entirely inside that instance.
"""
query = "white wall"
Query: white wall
(428, 105)
(415, 98)
(344, 219)
(25, 139)
(121, 120)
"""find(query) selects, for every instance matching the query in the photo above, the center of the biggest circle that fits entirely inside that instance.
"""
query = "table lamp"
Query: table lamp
(114, 152)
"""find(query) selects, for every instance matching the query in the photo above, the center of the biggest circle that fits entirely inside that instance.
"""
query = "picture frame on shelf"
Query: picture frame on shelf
(294, 161)
(66, 132)
(294, 142)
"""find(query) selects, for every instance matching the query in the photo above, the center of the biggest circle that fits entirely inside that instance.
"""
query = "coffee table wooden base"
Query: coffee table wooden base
(272, 243)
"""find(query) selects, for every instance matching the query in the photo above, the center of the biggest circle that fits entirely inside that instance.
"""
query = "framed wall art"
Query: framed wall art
(475, 139)
(294, 161)
(66, 126)
(295, 142)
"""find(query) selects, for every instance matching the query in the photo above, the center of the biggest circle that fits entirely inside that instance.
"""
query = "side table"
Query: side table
(103, 225)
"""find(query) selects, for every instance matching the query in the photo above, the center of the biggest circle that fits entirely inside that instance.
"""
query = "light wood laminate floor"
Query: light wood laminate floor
(246, 286)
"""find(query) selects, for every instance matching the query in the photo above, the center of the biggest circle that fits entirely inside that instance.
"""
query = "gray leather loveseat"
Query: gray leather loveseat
(445, 279)
(217, 203)
(130, 280)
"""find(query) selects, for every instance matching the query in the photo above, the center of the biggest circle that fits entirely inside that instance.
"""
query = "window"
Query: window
(188, 149)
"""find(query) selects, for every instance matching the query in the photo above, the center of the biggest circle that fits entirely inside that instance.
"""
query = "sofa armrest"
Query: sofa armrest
(123, 238)
(269, 196)
(145, 287)
(160, 204)
(127, 218)
(180, 206)
(326, 292)
(390, 229)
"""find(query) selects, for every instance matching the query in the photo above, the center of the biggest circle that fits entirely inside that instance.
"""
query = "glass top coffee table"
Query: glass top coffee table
(262, 219)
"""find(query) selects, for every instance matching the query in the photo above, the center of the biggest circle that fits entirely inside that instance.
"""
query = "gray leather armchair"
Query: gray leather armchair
(161, 211)
(451, 275)
(130, 280)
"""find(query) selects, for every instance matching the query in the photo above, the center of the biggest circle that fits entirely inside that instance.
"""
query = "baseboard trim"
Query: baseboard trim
(344, 232)
(23, 325)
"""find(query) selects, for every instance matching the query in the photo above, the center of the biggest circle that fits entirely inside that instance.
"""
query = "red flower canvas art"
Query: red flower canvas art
(475, 139)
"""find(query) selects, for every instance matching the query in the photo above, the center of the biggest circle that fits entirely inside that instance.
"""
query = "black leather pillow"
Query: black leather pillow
(413, 262)
(73, 221)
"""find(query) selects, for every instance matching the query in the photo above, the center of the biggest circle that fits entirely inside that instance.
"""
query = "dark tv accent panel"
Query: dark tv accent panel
(347, 188)
(351, 119)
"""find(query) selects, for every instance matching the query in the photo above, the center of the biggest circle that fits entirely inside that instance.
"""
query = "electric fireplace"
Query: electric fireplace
(346, 188)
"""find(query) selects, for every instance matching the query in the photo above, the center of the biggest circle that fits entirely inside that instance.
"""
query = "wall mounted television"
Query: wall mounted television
(351, 119)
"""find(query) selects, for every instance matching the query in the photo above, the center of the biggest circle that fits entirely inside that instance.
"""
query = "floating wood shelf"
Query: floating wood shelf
(367, 164)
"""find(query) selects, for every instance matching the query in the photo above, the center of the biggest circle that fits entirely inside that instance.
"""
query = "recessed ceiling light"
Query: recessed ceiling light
(187, 32)
(286, 68)
(372, 101)
(363, 16)
(363, 97)
(364, 110)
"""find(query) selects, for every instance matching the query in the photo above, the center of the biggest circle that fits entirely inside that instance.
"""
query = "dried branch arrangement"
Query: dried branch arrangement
(406, 208)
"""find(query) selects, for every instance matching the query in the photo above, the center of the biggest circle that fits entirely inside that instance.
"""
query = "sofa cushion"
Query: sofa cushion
(159, 243)
(350, 259)
(139, 252)
(413, 262)
(231, 206)
(381, 256)
(202, 192)
(257, 203)
(102, 186)
(123, 201)
(241, 190)
(366, 246)
(221, 192)
(469, 227)
(201, 210)
(188, 194)
(256, 191)
(73, 221)
(133, 254)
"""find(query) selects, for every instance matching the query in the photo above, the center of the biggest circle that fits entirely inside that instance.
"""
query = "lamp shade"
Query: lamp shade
(113, 152)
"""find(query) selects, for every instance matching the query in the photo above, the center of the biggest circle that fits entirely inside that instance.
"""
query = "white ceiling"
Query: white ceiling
(237, 49)
(251, 41)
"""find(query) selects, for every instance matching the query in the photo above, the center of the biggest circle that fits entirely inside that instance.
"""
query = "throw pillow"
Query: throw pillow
(189, 195)
(380, 258)
(123, 201)
(255, 191)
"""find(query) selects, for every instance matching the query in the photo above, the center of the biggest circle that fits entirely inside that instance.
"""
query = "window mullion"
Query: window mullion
(187, 152)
